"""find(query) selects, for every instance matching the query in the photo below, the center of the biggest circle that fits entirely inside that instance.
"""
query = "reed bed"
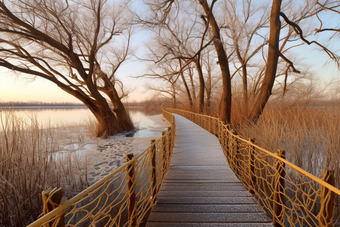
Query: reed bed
(28, 165)
(310, 136)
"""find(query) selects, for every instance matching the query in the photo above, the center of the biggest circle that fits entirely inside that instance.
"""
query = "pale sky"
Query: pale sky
(18, 88)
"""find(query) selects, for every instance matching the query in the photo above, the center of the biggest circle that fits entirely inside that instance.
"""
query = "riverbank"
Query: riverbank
(102, 156)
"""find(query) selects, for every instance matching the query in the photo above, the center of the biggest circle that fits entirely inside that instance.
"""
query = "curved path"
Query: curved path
(200, 189)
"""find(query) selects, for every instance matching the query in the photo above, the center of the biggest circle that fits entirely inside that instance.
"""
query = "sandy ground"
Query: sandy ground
(102, 156)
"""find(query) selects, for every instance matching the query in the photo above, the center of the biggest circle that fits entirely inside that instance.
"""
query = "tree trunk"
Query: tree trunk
(192, 85)
(123, 117)
(107, 121)
(273, 56)
(186, 85)
(174, 95)
(208, 88)
(244, 79)
(245, 90)
(201, 80)
(122, 121)
(208, 83)
(225, 108)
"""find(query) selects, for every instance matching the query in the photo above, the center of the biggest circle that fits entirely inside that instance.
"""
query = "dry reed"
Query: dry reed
(29, 165)
(310, 136)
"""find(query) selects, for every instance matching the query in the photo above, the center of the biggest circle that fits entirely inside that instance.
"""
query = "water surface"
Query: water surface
(67, 115)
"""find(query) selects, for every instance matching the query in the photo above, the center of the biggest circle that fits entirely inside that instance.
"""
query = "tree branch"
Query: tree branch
(298, 30)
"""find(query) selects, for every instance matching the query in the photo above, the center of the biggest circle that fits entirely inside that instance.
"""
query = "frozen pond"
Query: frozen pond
(145, 127)
(69, 142)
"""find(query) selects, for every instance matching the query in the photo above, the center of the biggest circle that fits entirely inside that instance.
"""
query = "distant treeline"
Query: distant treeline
(151, 104)
(44, 104)
(147, 104)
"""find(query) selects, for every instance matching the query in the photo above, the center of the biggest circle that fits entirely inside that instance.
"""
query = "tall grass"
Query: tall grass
(28, 165)
(310, 136)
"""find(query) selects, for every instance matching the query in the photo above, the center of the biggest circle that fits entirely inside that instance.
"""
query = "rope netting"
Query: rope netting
(123, 197)
(287, 193)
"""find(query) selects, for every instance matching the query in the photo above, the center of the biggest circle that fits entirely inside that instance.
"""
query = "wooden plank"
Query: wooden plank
(207, 200)
(209, 217)
(211, 187)
(246, 208)
(164, 224)
(180, 194)
(187, 180)
(200, 189)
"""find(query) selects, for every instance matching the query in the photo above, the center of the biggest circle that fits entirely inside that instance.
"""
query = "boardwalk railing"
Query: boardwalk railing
(287, 193)
(123, 197)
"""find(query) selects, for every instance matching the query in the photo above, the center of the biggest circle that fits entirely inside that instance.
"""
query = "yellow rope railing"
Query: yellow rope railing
(123, 197)
(288, 194)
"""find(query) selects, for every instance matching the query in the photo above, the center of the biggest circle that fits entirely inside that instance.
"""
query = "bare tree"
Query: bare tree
(78, 45)
(248, 42)
(185, 33)
(246, 35)
(211, 79)
(242, 27)
(187, 90)
(225, 107)
(167, 72)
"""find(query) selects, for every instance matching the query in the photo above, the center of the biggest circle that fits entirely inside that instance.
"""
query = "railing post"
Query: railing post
(219, 130)
(170, 140)
(131, 191)
(327, 200)
(153, 168)
(252, 166)
(229, 146)
(279, 194)
(164, 151)
(223, 136)
(213, 127)
(237, 154)
(52, 198)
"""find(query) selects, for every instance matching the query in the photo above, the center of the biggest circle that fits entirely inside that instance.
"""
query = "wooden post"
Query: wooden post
(327, 200)
(236, 154)
(219, 131)
(52, 198)
(131, 190)
(170, 141)
(153, 168)
(279, 194)
(252, 166)
(164, 151)
(209, 125)
(214, 127)
(228, 146)
(224, 134)
(218, 127)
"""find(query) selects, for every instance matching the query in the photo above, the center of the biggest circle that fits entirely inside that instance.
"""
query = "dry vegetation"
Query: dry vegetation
(310, 136)
(28, 166)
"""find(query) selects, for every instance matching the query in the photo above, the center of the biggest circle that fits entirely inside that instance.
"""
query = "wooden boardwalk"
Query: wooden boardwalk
(200, 189)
